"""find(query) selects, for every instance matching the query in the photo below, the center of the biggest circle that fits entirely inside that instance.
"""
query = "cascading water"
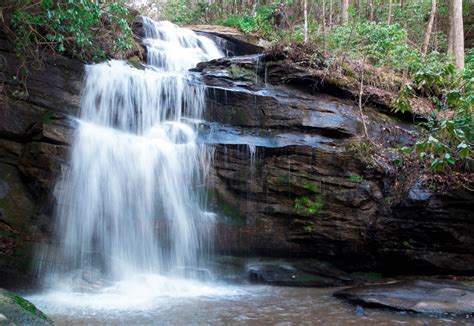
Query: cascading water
(131, 203)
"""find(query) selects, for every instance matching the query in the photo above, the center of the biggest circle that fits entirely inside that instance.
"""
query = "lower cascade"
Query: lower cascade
(133, 202)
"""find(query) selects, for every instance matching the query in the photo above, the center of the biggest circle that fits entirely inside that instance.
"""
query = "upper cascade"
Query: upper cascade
(120, 96)
(176, 49)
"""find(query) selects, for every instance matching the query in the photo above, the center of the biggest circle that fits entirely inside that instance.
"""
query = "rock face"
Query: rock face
(231, 40)
(34, 138)
(14, 310)
(422, 296)
(292, 175)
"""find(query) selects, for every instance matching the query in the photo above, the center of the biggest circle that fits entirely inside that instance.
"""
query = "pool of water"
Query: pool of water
(157, 300)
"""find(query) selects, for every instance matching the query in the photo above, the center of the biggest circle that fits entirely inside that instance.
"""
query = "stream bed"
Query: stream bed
(157, 300)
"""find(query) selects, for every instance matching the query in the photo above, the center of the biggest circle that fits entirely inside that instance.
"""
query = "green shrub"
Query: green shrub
(70, 26)
(183, 12)
(248, 23)
(448, 141)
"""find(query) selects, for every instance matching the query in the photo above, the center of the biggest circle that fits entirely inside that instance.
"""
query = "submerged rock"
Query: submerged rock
(289, 275)
(422, 296)
(14, 310)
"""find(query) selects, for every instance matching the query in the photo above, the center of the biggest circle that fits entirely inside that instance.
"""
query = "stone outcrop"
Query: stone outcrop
(230, 39)
(295, 177)
(36, 100)
(421, 296)
(14, 310)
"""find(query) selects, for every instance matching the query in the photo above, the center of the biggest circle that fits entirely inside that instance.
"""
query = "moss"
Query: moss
(240, 117)
(309, 206)
(136, 62)
(24, 305)
(306, 225)
(227, 211)
(238, 72)
(364, 151)
(309, 229)
(17, 204)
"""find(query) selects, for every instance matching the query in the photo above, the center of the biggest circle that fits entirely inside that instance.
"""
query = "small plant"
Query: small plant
(238, 72)
(364, 150)
(309, 228)
(356, 178)
(407, 244)
(309, 206)
(307, 225)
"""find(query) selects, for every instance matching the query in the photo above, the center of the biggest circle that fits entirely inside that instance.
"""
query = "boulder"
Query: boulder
(421, 296)
(230, 39)
(287, 274)
(14, 310)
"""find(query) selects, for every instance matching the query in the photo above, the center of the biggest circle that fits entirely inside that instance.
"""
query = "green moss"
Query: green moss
(356, 178)
(240, 117)
(136, 62)
(306, 225)
(228, 212)
(364, 151)
(238, 72)
(24, 305)
(309, 206)
(17, 205)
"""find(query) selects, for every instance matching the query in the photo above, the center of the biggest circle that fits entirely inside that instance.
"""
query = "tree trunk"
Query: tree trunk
(450, 29)
(457, 33)
(323, 24)
(344, 12)
(429, 28)
(389, 12)
(330, 13)
(306, 21)
(371, 5)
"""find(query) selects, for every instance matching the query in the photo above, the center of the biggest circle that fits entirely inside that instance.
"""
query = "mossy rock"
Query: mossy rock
(14, 310)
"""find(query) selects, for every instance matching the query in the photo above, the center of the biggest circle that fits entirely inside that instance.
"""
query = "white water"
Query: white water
(131, 211)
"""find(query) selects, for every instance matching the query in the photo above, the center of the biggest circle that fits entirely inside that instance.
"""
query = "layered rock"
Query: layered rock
(421, 296)
(35, 102)
(295, 177)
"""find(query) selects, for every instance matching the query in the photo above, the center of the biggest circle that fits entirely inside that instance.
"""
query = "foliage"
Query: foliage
(238, 72)
(259, 21)
(310, 206)
(449, 140)
(183, 12)
(356, 178)
(70, 26)
(382, 45)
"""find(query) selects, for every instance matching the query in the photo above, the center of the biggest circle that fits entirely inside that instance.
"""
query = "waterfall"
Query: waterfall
(132, 200)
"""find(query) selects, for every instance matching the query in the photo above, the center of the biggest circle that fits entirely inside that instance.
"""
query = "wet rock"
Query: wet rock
(88, 280)
(418, 193)
(359, 311)
(279, 141)
(229, 39)
(286, 274)
(14, 310)
(422, 296)
(41, 163)
(34, 140)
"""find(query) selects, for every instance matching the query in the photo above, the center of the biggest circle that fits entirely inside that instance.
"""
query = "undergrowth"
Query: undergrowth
(87, 29)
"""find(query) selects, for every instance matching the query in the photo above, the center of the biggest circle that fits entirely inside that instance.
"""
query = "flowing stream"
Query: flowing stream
(133, 233)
